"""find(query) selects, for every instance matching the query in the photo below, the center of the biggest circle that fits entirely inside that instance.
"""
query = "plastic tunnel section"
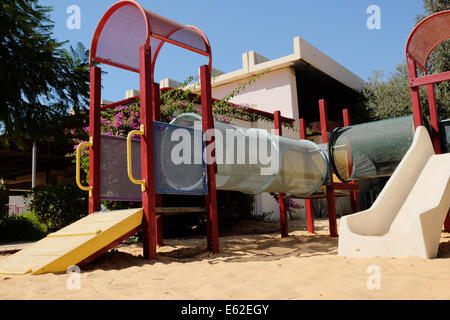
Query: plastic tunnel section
(370, 150)
(252, 160)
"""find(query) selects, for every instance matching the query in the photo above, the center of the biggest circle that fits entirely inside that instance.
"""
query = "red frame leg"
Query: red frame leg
(147, 156)
(309, 216)
(308, 204)
(281, 200)
(331, 211)
(212, 227)
(447, 223)
(95, 133)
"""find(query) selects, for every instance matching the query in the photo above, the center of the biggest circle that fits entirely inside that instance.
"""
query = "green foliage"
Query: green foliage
(434, 6)
(58, 206)
(40, 80)
(24, 227)
(392, 97)
(232, 207)
(4, 199)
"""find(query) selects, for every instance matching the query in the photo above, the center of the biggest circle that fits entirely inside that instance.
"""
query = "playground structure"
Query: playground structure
(316, 175)
(407, 217)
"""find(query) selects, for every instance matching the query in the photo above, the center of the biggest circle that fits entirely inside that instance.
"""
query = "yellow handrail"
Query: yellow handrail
(129, 159)
(78, 165)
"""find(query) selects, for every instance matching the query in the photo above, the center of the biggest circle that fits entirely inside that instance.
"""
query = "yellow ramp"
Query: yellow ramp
(74, 243)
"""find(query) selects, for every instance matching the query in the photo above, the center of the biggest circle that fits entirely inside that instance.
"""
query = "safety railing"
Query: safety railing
(129, 157)
(78, 165)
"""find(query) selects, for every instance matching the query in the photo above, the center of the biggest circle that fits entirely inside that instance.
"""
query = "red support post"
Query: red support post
(308, 204)
(95, 134)
(323, 120)
(147, 156)
(353, 194)
(156, 107)
(434, 120)
(281, 200)
(415, 95)
(208, 126)
(329, 188)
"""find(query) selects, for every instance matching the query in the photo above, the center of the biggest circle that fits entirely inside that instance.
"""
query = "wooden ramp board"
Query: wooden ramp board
(74, 243)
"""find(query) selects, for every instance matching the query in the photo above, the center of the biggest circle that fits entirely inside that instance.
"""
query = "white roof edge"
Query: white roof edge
(253, 63)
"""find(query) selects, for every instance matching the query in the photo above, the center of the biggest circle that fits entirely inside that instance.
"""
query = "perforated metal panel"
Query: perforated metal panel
(114, 182)
(179, 162)
(172, 176)
(125, 29)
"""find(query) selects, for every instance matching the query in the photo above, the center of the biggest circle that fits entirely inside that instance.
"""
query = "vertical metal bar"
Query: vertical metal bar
(208, 127)
(415, 95)
(95, 133)
(331, 211)
(281, 200)
(33, 166)
(435, 136)
(147, 161)
(353, 194)
(329, 188)
(156, 106)
(308, 204)
(323, 120)
(434, 120)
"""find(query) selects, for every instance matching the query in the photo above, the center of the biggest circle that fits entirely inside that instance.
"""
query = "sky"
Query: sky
(337, 28)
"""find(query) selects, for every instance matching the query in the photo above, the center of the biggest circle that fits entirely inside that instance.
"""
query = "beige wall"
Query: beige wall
(275, 90)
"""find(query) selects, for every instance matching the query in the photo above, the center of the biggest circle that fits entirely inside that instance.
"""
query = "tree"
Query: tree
(41, 81)
(392, 98)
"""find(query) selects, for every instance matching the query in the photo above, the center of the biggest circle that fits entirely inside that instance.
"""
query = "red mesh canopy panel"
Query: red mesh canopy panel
(427, 35)
(126, 26)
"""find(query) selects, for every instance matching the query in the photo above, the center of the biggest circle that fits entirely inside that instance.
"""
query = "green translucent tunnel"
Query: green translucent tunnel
(252, 160)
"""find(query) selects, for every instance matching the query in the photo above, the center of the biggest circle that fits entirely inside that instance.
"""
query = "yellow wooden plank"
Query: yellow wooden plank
(72, 244)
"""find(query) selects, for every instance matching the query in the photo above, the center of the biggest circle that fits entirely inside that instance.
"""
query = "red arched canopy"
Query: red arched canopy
(126, 26)
(428, 34)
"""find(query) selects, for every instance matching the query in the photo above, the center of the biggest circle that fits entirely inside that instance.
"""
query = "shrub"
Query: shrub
(58, 206)
(24, 227)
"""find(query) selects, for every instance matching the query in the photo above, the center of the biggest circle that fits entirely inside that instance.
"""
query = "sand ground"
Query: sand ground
(254, 263)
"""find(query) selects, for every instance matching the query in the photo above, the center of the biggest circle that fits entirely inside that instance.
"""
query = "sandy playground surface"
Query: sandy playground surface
(254, 263)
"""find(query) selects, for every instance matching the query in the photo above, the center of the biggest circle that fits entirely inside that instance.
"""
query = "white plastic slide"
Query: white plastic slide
(407, 217)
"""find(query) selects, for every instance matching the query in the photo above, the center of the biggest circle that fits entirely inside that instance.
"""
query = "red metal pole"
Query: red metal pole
(211, 198)
(329, 188)
(281, 200)
(435, 136)
(323, 120)
(353, 194)
(147, 160)
(415, 95)
(156, 107)
(95, 133)
(434, 119)
(308, 204)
